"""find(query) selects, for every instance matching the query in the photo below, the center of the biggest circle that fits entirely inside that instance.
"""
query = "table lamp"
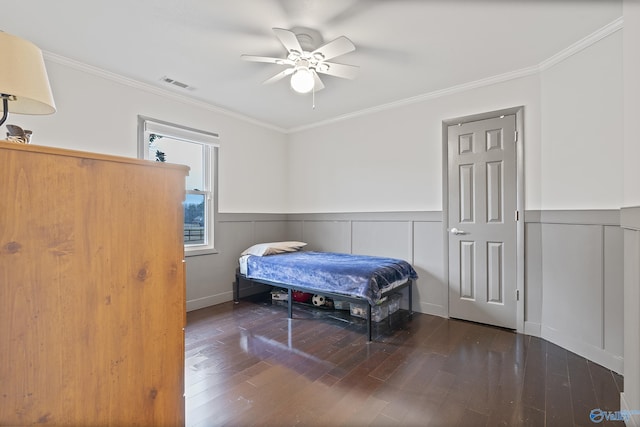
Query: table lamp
(24, 85)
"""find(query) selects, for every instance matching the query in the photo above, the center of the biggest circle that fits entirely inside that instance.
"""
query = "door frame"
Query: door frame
(520, 234)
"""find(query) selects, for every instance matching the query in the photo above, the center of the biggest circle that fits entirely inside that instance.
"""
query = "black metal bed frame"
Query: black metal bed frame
(359, 300)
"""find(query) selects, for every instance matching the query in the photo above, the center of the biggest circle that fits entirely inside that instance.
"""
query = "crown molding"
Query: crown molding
(577, 47)
(580, 45)
(154, 90)
(424, 97)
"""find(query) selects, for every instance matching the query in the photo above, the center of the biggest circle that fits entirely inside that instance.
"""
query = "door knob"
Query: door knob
(456, 231)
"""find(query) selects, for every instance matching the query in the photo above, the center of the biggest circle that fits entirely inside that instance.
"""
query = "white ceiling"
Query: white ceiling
(404, 48)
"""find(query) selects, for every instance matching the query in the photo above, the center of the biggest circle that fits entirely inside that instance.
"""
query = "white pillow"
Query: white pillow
(273, 248)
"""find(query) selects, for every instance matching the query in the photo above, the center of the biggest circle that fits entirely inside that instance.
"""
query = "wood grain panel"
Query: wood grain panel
(91, 289)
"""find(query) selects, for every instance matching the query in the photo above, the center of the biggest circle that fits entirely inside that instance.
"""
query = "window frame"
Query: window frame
(210, 143)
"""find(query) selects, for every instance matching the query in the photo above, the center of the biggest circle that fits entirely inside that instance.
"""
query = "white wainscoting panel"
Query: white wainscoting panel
(269, 231)
(574, 281)
(572, 274)
(581, 283)
(383, 238)
(428, 260)
(210, 277)
(613, 290)
(327, 236)
(630, 399)
(533, 279)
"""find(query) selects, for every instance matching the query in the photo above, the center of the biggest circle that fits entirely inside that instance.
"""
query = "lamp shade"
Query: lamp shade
(23, 77)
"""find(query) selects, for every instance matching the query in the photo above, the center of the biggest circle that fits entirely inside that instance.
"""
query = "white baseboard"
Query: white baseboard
(208, 301)
(532, 328)
(433, 309)
(591, 352)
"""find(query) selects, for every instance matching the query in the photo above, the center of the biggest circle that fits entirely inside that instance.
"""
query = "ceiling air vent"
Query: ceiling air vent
(175, 82)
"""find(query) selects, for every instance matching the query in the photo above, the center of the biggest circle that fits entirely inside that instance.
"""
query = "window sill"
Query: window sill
(198, 252)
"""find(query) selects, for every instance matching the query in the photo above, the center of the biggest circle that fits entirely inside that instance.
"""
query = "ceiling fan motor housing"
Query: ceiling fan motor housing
(309, 39)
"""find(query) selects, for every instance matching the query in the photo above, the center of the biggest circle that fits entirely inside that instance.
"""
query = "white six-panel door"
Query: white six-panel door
(482, 222)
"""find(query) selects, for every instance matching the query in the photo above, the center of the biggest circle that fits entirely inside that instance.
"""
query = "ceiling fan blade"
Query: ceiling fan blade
(338, 70)
(334, 48)
(279, 61)
(288, 39)
(317, 83)
(279, 76)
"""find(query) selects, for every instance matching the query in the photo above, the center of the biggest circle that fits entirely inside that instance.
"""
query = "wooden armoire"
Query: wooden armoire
(92, 289)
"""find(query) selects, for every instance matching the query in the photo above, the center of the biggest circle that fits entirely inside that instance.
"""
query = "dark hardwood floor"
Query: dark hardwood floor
(247, 364)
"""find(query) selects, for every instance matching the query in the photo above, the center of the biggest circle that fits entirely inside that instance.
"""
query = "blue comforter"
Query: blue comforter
(351, 275)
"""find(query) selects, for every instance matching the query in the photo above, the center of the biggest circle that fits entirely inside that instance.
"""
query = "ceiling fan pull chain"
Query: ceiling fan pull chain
(313, 97)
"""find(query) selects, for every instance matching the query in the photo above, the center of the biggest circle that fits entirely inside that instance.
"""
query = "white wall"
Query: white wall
(582, 129)
(391, 160)
(631, 47)
(631, 50)
(99, 114)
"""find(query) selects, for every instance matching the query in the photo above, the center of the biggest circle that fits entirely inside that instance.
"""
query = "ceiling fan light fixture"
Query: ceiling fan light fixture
(306, 60)
(302, 80)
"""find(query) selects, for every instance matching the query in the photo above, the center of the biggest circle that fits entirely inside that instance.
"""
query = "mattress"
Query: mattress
(243, 264)
(361, 276)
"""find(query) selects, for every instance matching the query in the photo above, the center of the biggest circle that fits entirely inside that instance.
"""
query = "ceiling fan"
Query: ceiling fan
(306, 60)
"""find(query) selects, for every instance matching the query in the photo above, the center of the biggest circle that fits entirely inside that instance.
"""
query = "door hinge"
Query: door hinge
(515, 136)
(517, 294)
(517, 216)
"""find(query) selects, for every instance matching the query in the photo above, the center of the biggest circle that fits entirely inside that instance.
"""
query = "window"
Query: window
(166, 142)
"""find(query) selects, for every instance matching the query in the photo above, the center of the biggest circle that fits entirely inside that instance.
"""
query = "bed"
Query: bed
(353, 278)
